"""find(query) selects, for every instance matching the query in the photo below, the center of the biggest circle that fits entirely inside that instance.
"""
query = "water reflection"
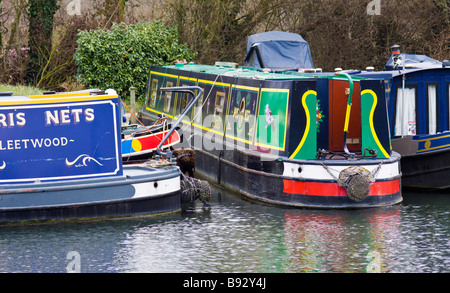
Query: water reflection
(222, 240)
(239, 236)
(340, 241)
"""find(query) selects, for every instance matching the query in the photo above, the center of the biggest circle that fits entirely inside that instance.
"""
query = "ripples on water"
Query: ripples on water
(238, 236)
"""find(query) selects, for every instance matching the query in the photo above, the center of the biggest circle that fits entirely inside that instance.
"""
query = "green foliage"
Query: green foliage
(120, 58)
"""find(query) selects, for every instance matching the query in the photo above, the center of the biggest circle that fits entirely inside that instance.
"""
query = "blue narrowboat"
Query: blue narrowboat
(418, 98)
(60, 158)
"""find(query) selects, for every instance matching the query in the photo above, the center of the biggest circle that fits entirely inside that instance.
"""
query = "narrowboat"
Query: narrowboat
(141, 142)
(418, 97)
(417, 94)
(282, 139)
(61, 159)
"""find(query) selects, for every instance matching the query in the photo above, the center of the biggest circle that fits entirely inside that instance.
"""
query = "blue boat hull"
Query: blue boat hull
(141, 191)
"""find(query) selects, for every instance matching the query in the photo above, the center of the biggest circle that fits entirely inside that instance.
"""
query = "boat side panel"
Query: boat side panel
(86, 193)
(250, 112)
(143, 191)
(305, 118)
(375, 118)
(60, 140)
(133, 207)
(241, 115)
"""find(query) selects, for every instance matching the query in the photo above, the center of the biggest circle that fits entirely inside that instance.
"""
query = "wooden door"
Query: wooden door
(338, 107)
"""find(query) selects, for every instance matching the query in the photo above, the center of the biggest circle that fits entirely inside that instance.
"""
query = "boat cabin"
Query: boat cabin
(418, 100)
(292, 115)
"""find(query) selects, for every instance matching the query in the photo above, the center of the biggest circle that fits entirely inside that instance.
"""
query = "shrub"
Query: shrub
(120, 57)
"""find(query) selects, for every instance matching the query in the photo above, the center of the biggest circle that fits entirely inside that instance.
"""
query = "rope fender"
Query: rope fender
(356, 180)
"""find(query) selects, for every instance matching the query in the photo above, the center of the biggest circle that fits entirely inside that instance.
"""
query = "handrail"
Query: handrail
(347, 113)
(186, 89)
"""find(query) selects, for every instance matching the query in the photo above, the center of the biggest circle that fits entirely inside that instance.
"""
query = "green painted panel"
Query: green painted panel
(272, 115)
(369, 136)
(307, 147)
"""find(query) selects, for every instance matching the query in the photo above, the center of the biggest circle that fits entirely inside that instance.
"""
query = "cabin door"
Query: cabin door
(338, 106)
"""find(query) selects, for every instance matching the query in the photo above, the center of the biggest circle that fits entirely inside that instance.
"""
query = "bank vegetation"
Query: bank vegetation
(39, 37)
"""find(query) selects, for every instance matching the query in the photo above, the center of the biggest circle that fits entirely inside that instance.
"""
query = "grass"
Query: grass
(20, 89)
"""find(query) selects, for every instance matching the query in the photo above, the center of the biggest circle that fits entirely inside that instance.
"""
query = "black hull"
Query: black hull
(166, 203)
(266, 186)
(426, 171)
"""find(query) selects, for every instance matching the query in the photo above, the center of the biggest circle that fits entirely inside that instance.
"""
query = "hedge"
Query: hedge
(120, 57)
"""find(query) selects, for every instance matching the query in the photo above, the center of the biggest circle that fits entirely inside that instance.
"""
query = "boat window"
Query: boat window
(184, 99)
(153, 93)
(198, 110)
(218, 109)
(432, 108)
(405, 117)
(168, 98)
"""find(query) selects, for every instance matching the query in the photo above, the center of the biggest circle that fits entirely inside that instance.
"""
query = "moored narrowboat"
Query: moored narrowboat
(289, 140)
(417, 94)
(140, 142)
(61, 159)
(418, 98)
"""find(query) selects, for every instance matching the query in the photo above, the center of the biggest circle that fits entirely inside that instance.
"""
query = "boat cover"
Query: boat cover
(278, 50)
(416, 61)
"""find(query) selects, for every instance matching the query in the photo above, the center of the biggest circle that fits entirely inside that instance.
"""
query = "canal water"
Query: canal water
(235, 235)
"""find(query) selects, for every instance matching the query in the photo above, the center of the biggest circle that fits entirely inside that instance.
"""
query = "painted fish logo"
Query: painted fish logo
(84, 159)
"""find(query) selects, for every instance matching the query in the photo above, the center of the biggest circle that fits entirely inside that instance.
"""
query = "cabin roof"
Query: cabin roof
(414, 60)
(394, 73)
(254, 73)
(13, 98)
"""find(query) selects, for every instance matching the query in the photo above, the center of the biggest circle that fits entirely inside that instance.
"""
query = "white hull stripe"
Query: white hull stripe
(319, 172)
(156, 187)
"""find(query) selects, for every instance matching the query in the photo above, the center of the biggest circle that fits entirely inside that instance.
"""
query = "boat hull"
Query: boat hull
(279, 182)
(427, 171)
(141, 191)
(144, 146)
(425, 160)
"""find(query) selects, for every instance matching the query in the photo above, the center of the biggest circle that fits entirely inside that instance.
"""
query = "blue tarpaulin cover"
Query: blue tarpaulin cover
(418, 61)
(278, 50)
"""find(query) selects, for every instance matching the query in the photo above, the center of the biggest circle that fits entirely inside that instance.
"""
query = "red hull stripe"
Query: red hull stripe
(333, 189)
(151, 142)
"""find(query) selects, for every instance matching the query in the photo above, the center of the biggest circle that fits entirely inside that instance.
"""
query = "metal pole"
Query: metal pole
(133, 104)
(186, 89)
